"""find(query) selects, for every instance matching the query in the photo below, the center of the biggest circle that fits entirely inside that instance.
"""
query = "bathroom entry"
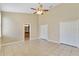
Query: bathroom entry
(27, 31)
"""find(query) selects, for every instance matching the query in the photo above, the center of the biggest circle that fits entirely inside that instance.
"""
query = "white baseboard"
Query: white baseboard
(60, 43)
(51, 41)
(12, 43)
(54, 41)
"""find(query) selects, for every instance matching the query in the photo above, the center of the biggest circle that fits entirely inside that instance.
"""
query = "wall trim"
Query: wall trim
(12, 43)
(51, 41)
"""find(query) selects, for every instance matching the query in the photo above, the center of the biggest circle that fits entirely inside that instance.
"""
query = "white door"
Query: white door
(77, 33)
(44, 32)
(68, 33)
(0, 24)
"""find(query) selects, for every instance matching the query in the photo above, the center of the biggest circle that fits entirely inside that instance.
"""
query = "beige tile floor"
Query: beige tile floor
(5, 40)
(38, 48)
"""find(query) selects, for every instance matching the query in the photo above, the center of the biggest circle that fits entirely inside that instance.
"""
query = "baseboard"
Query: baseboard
(51, 41)
(12, 43)
(54, 41)
(69, 45)
(61, 43)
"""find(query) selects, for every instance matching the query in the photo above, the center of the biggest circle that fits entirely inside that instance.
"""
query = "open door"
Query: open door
(26, 31)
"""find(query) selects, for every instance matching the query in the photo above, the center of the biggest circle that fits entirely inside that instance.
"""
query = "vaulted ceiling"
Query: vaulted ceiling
(23, 7)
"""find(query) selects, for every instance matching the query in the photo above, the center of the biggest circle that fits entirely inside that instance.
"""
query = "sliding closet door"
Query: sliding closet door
(77, 33)
(0, 30)
(68, 33)
(0, 25)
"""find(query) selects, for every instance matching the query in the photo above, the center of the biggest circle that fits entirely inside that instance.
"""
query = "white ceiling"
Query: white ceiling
(23, 7)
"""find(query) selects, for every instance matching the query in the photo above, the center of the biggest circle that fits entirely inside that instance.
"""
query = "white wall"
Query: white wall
(13, 23)
(60, 13)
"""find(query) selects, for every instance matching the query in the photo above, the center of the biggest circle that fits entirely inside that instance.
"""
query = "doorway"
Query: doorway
(26, 31)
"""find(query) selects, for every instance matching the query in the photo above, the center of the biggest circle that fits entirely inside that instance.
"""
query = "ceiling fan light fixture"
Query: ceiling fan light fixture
(39, 12)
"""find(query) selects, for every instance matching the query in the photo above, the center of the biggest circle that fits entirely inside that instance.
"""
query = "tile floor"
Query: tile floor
(38, 48)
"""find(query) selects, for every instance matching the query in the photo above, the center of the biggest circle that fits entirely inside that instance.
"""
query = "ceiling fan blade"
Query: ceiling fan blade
(33, 8)
(42, 13)
(45, 10)
(34, 12)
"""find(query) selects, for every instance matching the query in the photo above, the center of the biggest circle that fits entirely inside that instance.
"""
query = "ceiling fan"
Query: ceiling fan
(39, 10)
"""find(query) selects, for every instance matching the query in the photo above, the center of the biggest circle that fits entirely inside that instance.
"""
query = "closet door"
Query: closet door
(44, 32)
(0, 30)
(77, 33)
(68, 33)
(0, 25)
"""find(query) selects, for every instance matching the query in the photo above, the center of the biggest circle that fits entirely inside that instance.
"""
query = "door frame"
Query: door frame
(24, 31)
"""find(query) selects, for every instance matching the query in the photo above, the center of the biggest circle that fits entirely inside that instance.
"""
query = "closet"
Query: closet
(69, 33)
